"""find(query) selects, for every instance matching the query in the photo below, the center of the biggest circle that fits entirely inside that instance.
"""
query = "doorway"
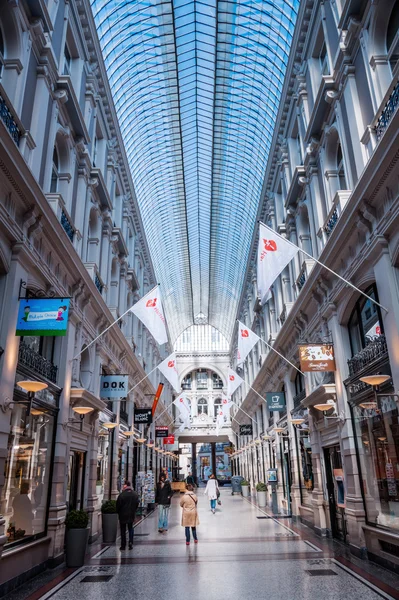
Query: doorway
(75, 487)
(335, 491)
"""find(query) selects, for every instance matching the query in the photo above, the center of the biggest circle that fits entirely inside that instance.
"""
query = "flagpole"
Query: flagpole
(105, 330)
(253, 389)
(245, 413)
(141, 380)
(323, 265)
(162, 413)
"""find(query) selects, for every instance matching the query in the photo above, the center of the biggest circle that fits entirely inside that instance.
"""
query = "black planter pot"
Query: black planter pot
(76, 544)
(110, 528)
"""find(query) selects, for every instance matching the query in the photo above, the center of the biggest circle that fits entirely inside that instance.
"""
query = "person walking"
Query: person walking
(126, 507)
(212, 491)
(189, 517)
(163, 497)
(190, 479)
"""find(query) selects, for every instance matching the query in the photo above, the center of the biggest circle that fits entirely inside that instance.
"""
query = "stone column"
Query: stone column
(194, 461)
(213, 457)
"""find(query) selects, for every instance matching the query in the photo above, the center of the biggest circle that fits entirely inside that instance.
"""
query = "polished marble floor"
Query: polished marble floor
(238, 556)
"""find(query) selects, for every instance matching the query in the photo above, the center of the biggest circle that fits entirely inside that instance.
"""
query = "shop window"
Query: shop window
(365, 323)
(393, 37)
(26, 486)
(306, 462)
(202, 406)
(377, 436)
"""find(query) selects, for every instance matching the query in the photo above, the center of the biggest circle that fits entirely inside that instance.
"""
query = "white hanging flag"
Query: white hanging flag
(149, 310)
(168, 368)
(226, 405)
(274, 254)
(233, 382)
(183, 405)
(219, 420)
(246, 341)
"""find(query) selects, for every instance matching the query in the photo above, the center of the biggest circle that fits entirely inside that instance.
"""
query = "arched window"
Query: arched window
(392, 38)
(216, 406)
(54, 173)
(186, 384)
(365, 323)
(202, 406)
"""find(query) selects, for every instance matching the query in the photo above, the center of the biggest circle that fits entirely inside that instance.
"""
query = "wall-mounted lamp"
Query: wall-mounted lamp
(375, 380)
(297, 421)
(31, 387)
(82, 411)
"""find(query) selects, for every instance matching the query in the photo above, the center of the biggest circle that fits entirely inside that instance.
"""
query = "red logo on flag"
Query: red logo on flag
(378, 330)
(270, 245)
(181, 400)
(224, 401)
(151, 303)
(231, 377)
(171, 363)
(244, 333)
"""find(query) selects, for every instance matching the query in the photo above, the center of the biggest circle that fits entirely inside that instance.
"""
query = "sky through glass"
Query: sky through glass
(196, 86)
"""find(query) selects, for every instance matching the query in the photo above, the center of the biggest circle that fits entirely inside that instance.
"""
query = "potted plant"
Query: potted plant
(245, 488)
(77, 535)
(261, 489)
(110, 521)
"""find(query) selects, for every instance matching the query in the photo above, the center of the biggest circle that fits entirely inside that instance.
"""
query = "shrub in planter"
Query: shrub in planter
(77, 535)
(261, 489)
(109, 521)
(245, 488)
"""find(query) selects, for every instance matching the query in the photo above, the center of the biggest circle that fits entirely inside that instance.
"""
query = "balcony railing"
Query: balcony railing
(28, 357)
(298, 398)
(9, 121)
(99, 284)
(67, 225)
(375, 348)
(388, 112)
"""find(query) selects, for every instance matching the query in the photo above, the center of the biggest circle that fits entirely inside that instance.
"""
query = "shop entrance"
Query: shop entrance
(75, 489)
(336, 491)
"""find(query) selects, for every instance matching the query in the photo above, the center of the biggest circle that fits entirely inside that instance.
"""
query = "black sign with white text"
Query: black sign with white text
(142, 416)
(246, 429)
(161, 432)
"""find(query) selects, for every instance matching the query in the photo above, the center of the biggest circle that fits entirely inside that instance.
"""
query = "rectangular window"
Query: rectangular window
(27, 473)
(323, 60)
(67, 62)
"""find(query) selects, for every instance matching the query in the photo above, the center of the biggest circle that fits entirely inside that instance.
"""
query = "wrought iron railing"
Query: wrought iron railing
(298, 398)
(331, 223)
(9, 121)
(301, 280)
(67, 225)
(28, 357)
(99, 284)
(388, 112)
(375, 348)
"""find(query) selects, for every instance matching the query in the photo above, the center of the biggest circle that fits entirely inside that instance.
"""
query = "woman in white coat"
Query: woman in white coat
(212, 491)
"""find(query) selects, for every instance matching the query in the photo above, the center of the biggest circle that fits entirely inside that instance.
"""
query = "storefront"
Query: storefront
(28, 467)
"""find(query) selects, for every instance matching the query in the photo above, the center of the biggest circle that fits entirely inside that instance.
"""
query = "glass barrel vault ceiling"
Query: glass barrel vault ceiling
(196, 86)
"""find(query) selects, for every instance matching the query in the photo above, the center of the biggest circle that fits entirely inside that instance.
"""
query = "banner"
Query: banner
(219, 421)
(317, 357)
(114, 386)
(275, 400)
(169, 370)
(246, 341)
(170, 440)
(233, 382)
(149, 310)
(274, 254)
(156, 398)
(42, 316)
(246, 429)
(142, 416)
(226, 405)
(184, 407)
(161, 432)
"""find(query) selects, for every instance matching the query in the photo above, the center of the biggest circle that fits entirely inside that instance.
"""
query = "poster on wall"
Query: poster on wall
(114, 386)
(317, 358)
(340, 487)
(42, 316)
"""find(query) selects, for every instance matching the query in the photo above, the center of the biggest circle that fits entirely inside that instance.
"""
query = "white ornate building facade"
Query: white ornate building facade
(69, 227)
(332, 188)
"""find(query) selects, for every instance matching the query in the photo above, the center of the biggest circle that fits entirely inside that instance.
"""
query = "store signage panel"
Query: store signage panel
(170, 440)
(317, 358)
(142, 416)
(246, 429)
(161, 432)
(114, 386)
(43, 316)
(275, 400)
(272, 475)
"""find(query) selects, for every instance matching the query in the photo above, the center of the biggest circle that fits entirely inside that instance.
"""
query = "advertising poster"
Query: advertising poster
(42, 316)
(317, 358)
(114, 386)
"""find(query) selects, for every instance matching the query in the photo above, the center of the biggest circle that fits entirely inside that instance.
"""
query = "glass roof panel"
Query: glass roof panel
(196, 86)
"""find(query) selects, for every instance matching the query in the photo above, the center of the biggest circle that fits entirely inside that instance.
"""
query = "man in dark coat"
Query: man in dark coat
(126, 506)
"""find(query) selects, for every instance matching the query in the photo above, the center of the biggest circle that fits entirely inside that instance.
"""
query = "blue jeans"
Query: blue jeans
(163, 516)
(194, 530)
(213, 504)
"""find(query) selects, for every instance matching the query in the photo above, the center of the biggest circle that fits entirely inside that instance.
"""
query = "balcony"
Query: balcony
(95, 276)
(307, 266)
(101, 189)
(31, 359)
(285, 312)
(67, 225)
(9, 119)
(387, 112)
(375, 349)
(57, 203)
(339, 202)
(72, 105)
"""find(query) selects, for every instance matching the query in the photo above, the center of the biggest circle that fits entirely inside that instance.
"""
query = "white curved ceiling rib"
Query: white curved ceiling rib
(196, 86)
